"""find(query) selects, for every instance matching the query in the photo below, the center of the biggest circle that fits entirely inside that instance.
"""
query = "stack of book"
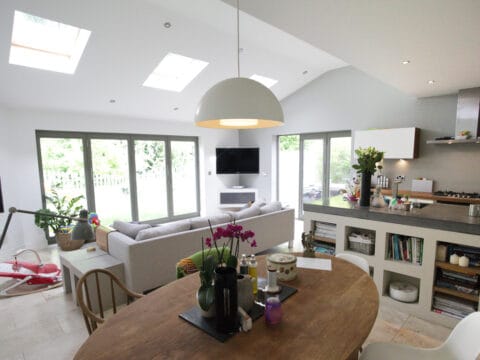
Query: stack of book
(325, 230)
(405, 248)
(464, 283)
(458, 308)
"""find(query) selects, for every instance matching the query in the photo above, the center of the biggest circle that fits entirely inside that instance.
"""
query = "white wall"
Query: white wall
(348, 99)
(19, 164)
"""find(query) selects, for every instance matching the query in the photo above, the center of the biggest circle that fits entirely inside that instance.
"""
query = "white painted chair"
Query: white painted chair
(462, 344)
(356, 260)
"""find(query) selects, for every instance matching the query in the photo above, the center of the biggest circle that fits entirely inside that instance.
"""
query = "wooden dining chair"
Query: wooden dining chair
(92, 300)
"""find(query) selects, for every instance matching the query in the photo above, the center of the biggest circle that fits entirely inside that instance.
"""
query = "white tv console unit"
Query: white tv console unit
(236, 197)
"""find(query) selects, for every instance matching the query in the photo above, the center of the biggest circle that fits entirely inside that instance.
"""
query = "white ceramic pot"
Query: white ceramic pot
(285, 264)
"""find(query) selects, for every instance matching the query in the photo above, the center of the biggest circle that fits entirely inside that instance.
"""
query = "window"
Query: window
(123, 177)
(45, 44)
(322, 163)
(174, 72)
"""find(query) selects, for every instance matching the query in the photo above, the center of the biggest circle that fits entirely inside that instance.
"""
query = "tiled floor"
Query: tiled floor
(48, 325)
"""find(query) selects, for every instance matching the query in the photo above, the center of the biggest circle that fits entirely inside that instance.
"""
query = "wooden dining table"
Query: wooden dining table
(329, 317)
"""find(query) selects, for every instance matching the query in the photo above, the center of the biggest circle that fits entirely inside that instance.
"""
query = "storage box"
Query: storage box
(361, 243)
(422, 185)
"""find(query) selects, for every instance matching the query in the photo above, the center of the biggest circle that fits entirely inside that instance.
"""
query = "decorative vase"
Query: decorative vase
(206, 313)
(226, 301)
(245, 292)
(365, 193)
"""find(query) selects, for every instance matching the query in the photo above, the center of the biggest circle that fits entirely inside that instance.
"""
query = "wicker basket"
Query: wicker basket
(66, 243)
(361, 243)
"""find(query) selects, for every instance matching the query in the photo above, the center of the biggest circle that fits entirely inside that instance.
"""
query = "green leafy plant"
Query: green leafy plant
(62, 205)
(367, 160)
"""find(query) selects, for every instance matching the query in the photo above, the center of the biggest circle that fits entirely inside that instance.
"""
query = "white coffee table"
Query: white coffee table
(78, 262)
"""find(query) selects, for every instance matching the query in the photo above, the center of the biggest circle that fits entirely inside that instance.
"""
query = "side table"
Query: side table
(78, 262)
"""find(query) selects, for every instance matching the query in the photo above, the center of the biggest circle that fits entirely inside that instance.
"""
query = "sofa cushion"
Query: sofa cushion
(272, 207)
(246, 213)
(129, 229)
(164, 229)
(201, 222)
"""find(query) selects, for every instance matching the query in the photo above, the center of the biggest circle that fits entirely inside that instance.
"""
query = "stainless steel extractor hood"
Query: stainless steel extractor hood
(468, 112)
(468, 118)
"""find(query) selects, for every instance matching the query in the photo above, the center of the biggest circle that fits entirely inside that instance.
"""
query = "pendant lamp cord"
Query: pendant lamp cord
(238, 38)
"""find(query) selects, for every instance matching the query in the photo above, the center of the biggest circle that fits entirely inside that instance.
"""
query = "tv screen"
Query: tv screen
(237, 160)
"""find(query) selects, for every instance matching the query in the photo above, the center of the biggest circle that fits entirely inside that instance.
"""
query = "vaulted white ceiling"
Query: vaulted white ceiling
(129, 39)
(440, 38)
(281, 39)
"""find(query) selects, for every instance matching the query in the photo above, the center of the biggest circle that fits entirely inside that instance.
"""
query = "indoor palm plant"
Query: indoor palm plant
(367, 160)
(59, 205)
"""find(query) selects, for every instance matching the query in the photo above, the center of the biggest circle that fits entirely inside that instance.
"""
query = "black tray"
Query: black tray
(194, 317)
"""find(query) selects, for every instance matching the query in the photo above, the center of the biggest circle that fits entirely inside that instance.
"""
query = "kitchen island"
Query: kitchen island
(403, 247)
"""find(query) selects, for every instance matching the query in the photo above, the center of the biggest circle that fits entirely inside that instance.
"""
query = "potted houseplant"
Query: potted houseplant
(367, 160)
(62, 205)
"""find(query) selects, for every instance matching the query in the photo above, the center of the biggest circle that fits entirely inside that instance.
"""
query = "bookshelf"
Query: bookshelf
(421, 273)
(324, 234)
(408, 249)
(456, 288)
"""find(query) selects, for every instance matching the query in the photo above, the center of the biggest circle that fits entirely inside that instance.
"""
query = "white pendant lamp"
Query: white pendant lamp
(239, 103)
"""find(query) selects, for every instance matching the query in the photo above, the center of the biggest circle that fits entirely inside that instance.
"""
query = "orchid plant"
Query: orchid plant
(234, 234)
(226, 255)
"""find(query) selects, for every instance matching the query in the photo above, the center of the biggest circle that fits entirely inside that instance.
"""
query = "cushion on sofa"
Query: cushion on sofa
(129, 229)
(246, 213)
(273, 206)
(164, 229)
(201, 222)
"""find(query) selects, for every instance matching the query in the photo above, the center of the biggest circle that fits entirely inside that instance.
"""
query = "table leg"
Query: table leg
(67, 284)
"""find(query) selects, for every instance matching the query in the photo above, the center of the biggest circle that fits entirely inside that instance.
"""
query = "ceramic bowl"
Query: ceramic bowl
(285, 264)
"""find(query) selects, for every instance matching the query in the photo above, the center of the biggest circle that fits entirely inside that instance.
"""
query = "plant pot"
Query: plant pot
(66, 243)
(365, 192)
(226, 299)
(245, 292)
(210, 313)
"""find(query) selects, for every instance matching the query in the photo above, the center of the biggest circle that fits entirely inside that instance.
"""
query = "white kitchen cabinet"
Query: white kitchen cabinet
(399, 143)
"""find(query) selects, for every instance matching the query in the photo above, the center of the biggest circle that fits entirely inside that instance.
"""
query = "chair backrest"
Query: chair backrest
(356, 260)
(93, 299)
(463, 342)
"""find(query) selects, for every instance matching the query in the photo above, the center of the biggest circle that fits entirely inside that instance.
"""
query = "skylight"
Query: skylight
(45, 44)
(264, 80)
(174, 72)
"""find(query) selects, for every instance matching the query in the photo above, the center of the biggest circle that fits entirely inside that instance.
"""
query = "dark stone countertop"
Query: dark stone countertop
(435, 216)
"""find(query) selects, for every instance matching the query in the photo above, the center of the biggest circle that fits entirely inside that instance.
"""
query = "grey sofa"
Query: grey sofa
(150, 254)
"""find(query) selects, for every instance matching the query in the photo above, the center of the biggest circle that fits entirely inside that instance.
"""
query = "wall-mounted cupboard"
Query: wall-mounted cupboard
(401, 143)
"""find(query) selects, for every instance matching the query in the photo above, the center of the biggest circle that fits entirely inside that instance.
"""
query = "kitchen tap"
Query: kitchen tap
(396, 180)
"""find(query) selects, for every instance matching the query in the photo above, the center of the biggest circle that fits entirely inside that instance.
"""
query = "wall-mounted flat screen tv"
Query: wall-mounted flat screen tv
(237, 160)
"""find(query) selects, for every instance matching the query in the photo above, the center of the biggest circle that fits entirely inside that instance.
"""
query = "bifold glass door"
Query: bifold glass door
(313, 167)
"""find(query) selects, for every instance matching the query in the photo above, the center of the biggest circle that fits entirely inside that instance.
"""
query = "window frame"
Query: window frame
(326, 137)
(86, 138)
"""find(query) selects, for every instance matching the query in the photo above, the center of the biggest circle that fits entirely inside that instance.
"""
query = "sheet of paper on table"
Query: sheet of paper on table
(314, 263)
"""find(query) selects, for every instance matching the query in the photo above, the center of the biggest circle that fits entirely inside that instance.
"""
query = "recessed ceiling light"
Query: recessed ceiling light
(174, 72)
(112, 101)
(45, 44)
(175, 108)
(167, 25)
(264, 80)
(305, 72)
(406, 62)
(431, 82)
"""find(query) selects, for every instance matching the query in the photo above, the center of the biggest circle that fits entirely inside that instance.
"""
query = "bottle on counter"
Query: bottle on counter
(244, 265)
(252, 271)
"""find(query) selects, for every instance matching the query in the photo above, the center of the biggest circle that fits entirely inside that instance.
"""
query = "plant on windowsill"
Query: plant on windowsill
(367, 160)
